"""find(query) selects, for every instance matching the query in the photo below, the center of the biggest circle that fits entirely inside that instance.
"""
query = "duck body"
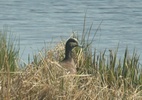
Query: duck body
(69, 65)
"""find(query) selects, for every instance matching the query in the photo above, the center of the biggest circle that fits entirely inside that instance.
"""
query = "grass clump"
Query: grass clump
(104, 79)
(8, 64)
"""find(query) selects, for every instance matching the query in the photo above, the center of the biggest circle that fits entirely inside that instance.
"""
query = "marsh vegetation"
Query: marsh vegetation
(99, 76)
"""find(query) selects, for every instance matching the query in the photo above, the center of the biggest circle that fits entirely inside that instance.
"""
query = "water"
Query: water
(41, 21)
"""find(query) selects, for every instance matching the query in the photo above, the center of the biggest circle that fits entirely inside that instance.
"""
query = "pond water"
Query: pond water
(40, 22)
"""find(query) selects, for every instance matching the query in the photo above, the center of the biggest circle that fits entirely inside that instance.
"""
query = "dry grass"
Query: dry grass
(46, 81)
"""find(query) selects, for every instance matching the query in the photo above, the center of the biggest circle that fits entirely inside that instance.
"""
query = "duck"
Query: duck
(68, 62)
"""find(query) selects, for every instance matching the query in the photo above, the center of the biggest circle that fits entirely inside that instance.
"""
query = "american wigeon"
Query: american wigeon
(68, 62)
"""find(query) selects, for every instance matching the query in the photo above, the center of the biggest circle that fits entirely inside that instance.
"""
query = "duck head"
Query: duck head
(70, 44)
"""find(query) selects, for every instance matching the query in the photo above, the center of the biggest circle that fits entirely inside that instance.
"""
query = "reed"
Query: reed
(9, 53)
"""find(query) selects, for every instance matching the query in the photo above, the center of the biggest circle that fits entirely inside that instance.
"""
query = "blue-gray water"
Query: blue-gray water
(39, 21)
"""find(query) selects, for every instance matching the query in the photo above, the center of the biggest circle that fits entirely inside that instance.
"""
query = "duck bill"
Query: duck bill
(80, 46)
